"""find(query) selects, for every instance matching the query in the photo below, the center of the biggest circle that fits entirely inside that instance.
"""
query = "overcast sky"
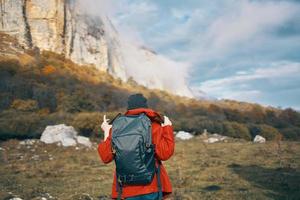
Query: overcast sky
(247, 50)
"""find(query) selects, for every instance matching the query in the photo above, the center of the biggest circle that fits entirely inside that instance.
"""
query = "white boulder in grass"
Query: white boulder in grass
(184, 135)
(215, 138)
(259, 139)
(211, 140)
(84, 141)
(27, 142)
(66, 135)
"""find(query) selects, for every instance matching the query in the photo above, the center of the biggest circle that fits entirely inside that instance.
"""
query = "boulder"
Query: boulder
(259, 139)
(213, 138)
(184, 135)
(66, 135)
(28, 142)
(84, 141)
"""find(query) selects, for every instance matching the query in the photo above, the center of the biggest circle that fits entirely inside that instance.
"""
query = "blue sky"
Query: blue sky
(247, 50)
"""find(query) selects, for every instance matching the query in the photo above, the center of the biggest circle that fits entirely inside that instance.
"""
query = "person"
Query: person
(162, 138)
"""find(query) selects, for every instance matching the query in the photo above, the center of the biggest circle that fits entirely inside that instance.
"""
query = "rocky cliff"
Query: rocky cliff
(63, 27)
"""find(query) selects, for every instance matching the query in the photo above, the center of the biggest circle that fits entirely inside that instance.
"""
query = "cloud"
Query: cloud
(248, 19)
(245, 95)
(277, 70)
(154, 70)
(246, 85)
(240, 27)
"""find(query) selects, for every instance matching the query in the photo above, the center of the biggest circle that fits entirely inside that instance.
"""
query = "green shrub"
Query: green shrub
(264, 130)
(236, 130)
(19, 125)
(210, 126)
(45, 97)
(89, 124)
(5, 100)
(9, 66)
(291, 133)
(24, 105)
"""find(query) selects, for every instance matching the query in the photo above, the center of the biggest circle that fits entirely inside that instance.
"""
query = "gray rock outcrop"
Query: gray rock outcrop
(60, 26)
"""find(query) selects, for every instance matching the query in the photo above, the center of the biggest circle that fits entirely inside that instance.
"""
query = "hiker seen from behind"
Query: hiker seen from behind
(138, 141)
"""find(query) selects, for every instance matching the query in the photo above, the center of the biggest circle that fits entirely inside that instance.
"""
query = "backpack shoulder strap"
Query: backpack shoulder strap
(159, 181)
(118, 115)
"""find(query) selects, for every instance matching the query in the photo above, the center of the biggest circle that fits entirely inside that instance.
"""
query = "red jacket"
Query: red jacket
(163, 138)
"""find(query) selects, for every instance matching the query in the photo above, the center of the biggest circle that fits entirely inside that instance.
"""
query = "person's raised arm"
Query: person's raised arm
(104, 148)
(165, 140)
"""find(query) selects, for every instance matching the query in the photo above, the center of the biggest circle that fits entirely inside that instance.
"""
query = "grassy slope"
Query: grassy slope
(235, 170)
(43, 89)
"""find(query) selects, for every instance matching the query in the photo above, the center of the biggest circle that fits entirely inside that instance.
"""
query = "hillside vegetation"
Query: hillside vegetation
(40, 89)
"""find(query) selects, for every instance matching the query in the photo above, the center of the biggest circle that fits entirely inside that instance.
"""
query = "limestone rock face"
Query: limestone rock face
(46, 24)
(64, 27)
(12, 19)
(85, 42)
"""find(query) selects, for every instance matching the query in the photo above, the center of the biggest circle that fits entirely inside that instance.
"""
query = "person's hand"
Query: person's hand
(105, 127)
(166, 122)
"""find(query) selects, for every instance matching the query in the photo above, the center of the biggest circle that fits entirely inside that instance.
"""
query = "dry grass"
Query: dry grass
(237, 170)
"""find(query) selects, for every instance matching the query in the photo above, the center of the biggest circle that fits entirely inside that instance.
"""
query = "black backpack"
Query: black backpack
(134, 152)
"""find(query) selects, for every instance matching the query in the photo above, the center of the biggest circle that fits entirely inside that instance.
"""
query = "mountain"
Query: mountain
(65, 27)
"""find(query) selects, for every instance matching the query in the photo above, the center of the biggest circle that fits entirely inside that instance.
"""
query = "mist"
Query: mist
(142, 64)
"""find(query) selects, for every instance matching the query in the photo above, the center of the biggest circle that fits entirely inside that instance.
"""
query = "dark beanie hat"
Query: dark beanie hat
(137, 101)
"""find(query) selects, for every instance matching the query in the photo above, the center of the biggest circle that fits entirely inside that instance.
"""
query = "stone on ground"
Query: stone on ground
(66, 135)
(259, 139)
(184, 135)
(84, 141)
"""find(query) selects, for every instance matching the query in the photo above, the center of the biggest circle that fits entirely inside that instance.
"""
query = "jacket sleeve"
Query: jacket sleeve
(165, 143)
(105, 151)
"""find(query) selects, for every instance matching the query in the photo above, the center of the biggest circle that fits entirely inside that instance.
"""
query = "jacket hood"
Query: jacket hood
(153, 115)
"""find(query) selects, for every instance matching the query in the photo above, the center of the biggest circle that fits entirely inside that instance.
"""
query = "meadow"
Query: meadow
(233, 170)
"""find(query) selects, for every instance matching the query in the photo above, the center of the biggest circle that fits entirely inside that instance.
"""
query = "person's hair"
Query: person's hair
(136, 101)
